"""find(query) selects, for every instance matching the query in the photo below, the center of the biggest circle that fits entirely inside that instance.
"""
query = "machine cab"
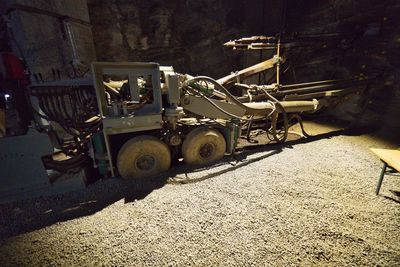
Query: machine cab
(128, 96)
(127, 88)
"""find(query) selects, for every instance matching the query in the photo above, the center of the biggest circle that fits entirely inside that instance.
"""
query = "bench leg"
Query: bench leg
(378, 187)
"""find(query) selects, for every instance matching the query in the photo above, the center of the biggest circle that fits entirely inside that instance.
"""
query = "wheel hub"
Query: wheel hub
(206, 150)
(145, 162)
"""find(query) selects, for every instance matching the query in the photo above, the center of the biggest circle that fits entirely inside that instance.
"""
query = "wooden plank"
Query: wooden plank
(390, 156)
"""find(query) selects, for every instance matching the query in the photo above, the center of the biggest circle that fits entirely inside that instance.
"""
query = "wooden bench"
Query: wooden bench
(390, 159)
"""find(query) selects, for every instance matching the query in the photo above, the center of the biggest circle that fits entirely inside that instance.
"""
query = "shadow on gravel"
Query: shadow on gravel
(29, 215)
(240, 159)
(397, 194)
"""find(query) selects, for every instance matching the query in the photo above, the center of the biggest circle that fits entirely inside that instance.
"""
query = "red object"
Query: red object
(14, 67)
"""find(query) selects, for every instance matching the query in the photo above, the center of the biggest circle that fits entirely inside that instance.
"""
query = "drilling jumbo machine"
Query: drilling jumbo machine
(135, 119)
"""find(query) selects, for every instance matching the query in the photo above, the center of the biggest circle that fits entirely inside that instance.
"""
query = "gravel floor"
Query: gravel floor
(305, 203)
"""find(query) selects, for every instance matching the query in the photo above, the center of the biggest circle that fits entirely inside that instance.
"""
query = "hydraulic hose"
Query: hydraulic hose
(232, 98)
(250, 110)
(277, 138)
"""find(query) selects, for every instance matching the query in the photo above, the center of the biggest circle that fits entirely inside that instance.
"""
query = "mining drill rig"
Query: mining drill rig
(134, 119)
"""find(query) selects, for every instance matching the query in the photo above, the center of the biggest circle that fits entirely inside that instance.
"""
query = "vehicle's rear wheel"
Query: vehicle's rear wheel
(202, 146)
(143, 156)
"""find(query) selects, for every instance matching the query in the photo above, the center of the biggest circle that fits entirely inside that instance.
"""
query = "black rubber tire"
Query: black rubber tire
(203, 146)
(143, 156)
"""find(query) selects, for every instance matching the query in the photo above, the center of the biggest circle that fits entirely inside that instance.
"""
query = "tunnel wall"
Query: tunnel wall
(369, 49)
(188, 35)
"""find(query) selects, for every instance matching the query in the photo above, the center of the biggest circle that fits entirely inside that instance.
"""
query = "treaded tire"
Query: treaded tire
(202, 146)
(143, 156)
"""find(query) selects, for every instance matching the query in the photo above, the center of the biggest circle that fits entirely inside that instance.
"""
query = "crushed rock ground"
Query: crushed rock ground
(302, 203)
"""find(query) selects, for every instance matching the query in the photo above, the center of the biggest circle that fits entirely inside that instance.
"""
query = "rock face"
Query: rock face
(369, 48)
(189, 36)
(185, 34)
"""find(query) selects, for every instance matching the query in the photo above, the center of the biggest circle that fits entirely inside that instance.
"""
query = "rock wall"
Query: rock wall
(189, 35)
(370, 48)
(186, 34)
